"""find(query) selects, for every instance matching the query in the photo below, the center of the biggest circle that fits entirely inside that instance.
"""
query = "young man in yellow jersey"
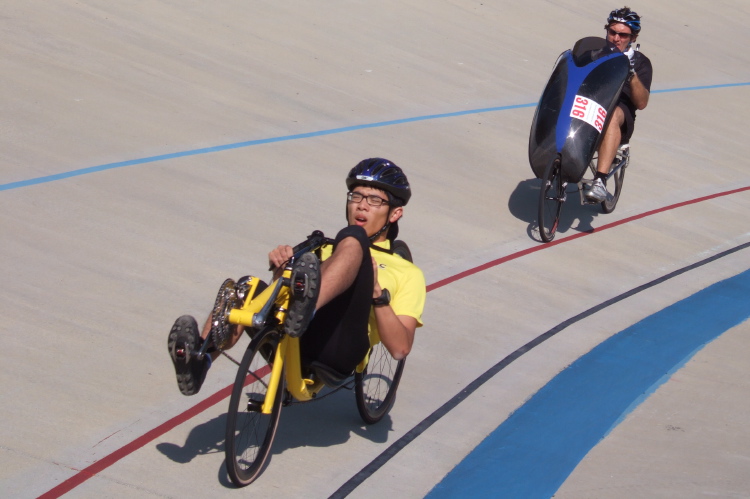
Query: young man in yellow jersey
(362, 287)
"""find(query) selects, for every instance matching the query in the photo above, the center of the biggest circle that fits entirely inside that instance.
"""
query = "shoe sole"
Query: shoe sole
(181, 344)
(305, 289)
(594, 199)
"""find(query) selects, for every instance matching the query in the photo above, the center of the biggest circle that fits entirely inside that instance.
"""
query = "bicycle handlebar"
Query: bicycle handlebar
(313, 242)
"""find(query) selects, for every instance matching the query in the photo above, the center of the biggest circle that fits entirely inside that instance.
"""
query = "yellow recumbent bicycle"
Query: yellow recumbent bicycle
(271, 374)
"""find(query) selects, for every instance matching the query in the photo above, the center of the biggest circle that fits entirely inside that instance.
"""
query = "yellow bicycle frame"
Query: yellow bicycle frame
(288, 351)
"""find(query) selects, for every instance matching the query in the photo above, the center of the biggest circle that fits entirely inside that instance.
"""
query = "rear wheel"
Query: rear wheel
(551, 199)
(250, 433)
(375, 387)
(608, 205)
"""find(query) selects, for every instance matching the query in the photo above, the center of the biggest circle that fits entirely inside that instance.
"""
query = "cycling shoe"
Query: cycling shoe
(183, 340)
(305, 287)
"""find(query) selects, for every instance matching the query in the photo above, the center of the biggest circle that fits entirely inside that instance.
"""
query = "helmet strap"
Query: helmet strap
(375, 236)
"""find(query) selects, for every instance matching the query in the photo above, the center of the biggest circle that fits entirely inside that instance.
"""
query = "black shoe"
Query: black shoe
(305, 287)
(182, 342)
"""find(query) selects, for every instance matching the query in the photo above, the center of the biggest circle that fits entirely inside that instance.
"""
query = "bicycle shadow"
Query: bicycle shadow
(320, 423)
(324, 423)
(524, 205)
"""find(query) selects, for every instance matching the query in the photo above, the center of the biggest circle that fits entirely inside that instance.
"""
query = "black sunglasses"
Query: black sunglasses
(614, 33)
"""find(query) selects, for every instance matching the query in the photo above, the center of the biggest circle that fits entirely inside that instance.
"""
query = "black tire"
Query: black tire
(250, 433)
(551, 199)
(375, 388)
(401, 249)
(608, 205)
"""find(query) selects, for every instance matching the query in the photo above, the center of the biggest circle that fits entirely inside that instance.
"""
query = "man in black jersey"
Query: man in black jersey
(623, 26)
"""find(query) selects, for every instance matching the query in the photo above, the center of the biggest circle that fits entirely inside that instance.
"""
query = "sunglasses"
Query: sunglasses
(624, 36)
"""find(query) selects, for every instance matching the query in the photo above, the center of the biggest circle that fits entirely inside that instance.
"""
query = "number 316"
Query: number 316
(579, 107)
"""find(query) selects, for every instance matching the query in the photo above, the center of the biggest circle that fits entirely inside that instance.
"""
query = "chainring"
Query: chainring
(226, 300)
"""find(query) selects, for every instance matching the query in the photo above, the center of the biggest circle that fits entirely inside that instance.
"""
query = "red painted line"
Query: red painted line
(217, 397)
(514, 256)
(136, 444)
(139, 442)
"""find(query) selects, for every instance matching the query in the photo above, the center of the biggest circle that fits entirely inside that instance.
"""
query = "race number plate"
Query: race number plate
(589, 111)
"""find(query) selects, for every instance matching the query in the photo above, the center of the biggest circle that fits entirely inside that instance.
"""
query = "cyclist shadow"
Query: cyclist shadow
(206, 438)
(524, 205)
(314, 424)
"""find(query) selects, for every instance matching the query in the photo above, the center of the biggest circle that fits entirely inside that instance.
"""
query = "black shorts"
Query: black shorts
(338, 334)
(628, 124)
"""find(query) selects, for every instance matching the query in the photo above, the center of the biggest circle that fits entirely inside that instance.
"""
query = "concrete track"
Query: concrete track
(151, 149)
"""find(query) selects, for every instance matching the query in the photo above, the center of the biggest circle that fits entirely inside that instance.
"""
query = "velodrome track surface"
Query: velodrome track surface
(150, 151)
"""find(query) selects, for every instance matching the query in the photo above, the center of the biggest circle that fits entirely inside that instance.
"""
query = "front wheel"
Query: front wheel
(375, 387)
(551, 199)
(250, 433)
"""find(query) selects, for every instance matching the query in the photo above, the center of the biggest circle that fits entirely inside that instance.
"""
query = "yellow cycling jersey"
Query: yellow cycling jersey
(403, 280)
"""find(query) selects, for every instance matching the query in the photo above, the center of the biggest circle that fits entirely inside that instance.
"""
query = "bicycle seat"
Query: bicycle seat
(401, 249)
(331, 377)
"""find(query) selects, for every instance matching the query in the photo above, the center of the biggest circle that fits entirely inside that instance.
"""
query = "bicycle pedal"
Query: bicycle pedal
(299, 285)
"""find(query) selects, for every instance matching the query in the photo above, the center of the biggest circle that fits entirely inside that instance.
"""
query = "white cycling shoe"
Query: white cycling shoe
(597, 192)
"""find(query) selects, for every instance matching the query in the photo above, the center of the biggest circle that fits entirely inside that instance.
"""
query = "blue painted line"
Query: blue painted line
(249, 143)
(467, 391)
(704, 87)
(532, 453)
(284, 138)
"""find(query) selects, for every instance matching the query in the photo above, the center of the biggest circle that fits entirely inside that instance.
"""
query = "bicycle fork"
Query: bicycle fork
(622, 158)
(560, 199)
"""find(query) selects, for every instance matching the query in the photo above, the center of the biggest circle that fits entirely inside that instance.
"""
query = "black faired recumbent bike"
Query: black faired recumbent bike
(567, 128)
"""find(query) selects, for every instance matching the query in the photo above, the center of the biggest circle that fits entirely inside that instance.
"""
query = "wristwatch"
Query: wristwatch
(383, 299)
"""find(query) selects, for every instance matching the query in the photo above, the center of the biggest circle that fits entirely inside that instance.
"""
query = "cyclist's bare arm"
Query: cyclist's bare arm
(396, 331)
(639, 93)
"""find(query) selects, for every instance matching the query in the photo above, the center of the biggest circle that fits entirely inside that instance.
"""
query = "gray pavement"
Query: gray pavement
(97, 264)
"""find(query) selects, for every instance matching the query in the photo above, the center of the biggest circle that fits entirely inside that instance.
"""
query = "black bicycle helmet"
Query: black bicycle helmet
(381, 174)
(627, 17)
